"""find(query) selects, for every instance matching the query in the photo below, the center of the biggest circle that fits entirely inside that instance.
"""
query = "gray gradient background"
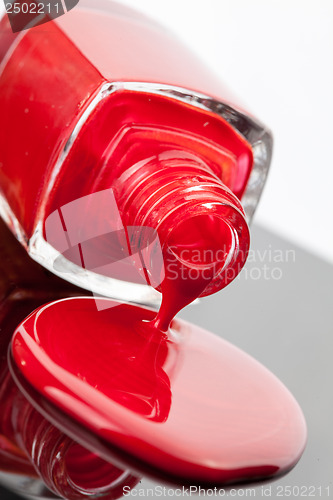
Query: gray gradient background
(287, 325)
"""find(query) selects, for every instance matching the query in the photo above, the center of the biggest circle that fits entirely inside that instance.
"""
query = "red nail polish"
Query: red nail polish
(128, 170)
(186, 406)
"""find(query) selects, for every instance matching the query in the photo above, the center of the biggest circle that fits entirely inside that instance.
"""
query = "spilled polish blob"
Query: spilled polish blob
(182, 404)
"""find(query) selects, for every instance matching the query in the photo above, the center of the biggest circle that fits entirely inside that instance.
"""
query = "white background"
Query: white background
(277, 55)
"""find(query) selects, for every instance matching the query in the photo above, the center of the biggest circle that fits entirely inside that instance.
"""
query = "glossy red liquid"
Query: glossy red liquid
(155, 394)
(191, 261)
(184, 406)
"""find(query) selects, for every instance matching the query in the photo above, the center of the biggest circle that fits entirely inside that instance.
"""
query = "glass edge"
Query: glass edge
(12, 222)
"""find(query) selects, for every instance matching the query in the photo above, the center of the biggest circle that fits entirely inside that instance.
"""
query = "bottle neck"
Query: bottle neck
(174, 205)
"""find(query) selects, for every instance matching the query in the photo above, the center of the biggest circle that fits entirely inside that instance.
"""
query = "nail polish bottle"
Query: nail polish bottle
(121, 157)
(127, 109)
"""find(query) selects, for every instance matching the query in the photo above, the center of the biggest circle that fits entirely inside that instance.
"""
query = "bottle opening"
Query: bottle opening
(202, 242)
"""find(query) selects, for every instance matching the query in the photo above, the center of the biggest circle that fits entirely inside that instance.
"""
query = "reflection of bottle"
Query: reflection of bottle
(32, 447)
(108, 100)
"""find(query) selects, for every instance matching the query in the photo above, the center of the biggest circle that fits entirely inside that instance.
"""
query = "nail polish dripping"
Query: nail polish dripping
(196, 253)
